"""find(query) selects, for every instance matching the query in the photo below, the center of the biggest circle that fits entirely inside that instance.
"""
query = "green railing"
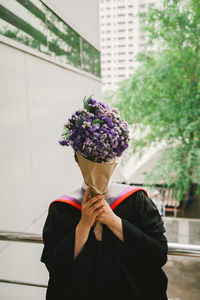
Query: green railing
(32, 23)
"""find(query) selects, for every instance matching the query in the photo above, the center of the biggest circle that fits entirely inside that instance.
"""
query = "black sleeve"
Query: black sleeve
(58, 251)
(146, 237)
(144, 249)
(143, 235)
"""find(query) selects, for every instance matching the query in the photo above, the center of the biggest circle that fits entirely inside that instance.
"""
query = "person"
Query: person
(125, 264)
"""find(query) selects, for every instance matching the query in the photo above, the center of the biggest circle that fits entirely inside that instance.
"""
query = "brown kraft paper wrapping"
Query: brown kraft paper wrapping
(96, 175)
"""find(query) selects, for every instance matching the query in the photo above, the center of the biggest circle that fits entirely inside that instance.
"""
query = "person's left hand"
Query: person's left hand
(107, 217)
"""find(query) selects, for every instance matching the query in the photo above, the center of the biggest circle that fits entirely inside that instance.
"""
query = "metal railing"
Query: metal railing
(173, 249)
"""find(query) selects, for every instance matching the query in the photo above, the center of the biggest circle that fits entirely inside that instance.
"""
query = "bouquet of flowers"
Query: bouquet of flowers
(98, 135)
(96, 132)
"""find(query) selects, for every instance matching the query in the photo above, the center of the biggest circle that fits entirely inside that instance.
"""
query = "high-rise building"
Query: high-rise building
(121, 38)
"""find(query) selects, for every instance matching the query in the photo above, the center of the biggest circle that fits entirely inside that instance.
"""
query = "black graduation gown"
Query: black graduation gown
(107, 269)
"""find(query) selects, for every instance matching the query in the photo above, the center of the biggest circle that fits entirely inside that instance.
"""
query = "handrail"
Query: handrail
(11, 236)
(23, 283)
(184, 250)
(26, 237)
(173, 248)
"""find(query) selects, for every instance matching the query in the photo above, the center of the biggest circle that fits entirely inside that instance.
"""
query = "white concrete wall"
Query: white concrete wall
(36, 98)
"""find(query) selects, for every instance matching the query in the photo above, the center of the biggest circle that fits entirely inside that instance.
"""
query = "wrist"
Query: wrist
(85, 228)
(114, 222)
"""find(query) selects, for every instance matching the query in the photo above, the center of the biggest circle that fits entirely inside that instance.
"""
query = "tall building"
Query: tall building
(121, 38)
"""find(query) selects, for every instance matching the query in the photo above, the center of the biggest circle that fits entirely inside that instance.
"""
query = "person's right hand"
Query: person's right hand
(91, 208)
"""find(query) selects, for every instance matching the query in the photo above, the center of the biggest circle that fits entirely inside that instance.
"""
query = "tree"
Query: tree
(162, 97)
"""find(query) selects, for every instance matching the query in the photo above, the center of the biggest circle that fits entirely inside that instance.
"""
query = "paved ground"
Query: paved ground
(183, 278)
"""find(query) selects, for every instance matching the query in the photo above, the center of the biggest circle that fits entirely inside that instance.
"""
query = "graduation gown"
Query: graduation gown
(111, 268)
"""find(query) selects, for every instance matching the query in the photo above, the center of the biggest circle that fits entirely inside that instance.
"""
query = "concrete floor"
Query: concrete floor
(183, 278)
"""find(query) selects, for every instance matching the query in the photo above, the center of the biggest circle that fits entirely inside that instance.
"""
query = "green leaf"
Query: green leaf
(97, 121)
(80, 120)
(85, 101)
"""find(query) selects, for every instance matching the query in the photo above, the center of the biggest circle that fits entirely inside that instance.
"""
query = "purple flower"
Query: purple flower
(63, 143)
(96, 132)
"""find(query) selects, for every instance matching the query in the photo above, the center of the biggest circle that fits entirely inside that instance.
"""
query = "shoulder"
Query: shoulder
(138, 197)
(60, 216)
(59, 208)
(132, 203)
(141, 203)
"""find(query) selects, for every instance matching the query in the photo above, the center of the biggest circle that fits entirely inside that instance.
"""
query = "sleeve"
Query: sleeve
(58, 251)
(144, 249)
(143, 231)
(146, 238)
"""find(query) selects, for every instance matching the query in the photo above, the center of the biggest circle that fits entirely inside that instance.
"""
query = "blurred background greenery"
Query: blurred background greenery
(162, 98)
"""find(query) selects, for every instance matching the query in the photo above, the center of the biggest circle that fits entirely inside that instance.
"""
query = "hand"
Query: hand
(91, 208)
(107, 217)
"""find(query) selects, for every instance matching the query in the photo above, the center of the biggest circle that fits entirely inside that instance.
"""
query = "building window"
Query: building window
(39, 28)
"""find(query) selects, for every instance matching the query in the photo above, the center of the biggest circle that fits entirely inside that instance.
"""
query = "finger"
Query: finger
(86, 195)
(99, 211)
(95, 199)
(96, 206)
